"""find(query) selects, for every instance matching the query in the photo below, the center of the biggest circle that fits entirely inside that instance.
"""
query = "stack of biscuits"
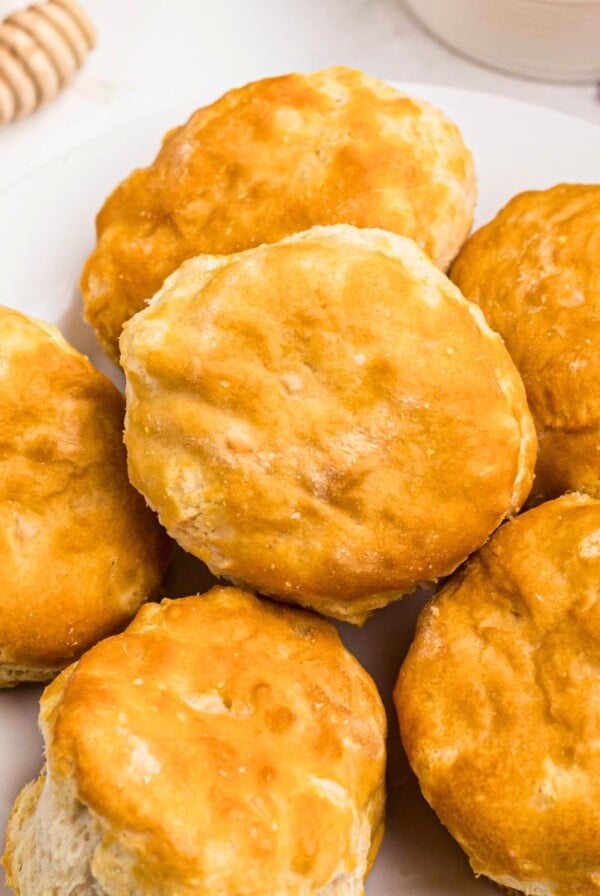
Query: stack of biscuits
(328, 419)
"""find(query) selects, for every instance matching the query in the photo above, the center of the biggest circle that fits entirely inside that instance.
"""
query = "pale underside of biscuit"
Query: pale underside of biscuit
(220, 745)
(56, 845)
(535, 272)
(325, 420)
(271, 159)
(11, 675)
(520, 887)
(498, 702)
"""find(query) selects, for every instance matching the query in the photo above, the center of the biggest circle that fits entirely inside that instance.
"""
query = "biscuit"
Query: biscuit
(80, 550)
(242, 751)
(324, 419)
(271, 159)
(499, 702)
(535, 272)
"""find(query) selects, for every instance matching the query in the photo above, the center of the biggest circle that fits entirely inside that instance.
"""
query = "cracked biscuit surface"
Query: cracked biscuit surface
(499, 702)
(325, 420)
(79, 549)
(274, 158)
(535, 272)
(222, 744)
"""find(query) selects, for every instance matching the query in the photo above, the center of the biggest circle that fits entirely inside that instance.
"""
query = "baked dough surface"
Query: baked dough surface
(79, 549)
(535, 272)
(325, 420)
(499, 702)
(222, 744)
(274, 158)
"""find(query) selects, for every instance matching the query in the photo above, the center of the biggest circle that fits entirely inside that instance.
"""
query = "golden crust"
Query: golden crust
(325, 419)
(535, 272)
(243, 750)
(499, 702)
(80, 550)
(274, 158)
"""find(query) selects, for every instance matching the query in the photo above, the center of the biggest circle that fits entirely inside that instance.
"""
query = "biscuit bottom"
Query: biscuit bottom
(52, 845)
(11, 676)
(51, 840)
(539, 889)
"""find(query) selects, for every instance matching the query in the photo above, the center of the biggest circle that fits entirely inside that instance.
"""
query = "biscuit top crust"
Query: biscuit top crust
(535, 272)
(325, 419)
(80, 550)
(228, 744)
(274, 158)
(499, 702)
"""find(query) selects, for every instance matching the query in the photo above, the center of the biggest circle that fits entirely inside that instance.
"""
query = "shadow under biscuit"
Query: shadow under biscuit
(82, 337)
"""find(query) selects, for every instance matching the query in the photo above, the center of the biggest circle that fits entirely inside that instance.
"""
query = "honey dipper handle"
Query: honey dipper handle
(41, 48)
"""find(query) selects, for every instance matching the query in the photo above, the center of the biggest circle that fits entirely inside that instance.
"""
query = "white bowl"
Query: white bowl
(556, 40)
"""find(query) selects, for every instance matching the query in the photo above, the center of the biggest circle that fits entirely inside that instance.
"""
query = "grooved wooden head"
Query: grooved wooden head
(41, 48)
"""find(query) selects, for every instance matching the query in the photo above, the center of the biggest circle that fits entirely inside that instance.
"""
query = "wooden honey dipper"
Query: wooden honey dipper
(41, 48)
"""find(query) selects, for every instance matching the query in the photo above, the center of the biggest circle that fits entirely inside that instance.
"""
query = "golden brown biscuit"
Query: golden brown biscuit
(271, 159)
(222, 744)
(535, 272)
(325, 419)
(499, 702)
(78, 548)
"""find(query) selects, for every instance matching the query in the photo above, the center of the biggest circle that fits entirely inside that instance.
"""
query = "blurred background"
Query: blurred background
(154, 54)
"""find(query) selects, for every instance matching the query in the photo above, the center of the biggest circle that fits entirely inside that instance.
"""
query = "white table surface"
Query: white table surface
(153, 54)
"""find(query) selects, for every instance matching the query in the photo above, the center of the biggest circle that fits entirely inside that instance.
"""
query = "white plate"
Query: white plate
(46, 230)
